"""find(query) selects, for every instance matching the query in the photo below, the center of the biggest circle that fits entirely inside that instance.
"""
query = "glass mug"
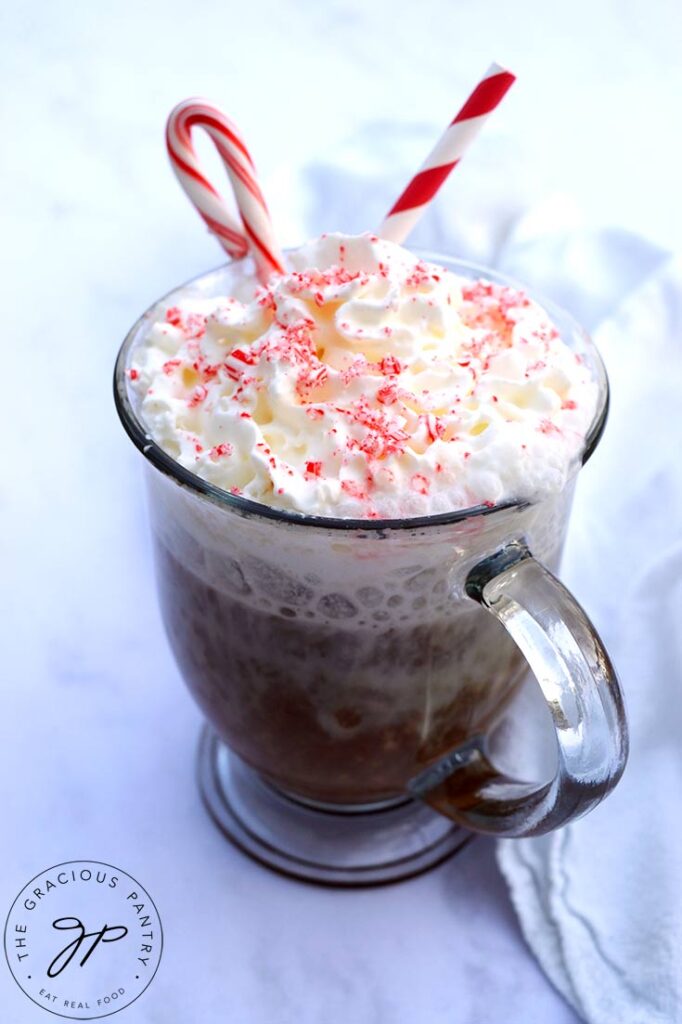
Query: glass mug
(351, 672)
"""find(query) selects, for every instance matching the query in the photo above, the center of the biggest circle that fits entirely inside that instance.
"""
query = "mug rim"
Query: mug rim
(240, 505)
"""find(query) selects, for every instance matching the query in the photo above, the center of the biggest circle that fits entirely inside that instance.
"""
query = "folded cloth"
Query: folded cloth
(600, 901)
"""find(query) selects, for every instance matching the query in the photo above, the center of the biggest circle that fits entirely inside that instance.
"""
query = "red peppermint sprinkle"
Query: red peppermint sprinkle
(492, 307)
(354, 490)
(266, 299)
(219, 451)
(419, 483)
(133, 374)
(244, 383)
(293, 342)
(244, 357)
(198, 396)
(569, 404)
(170, 365)
(419, 276)
(383, 435)
(387, 394)
(192, 325)
(435, 427)
(311, 377)
(390, 366)
(313, 281)
(356, 369)
(312, 469)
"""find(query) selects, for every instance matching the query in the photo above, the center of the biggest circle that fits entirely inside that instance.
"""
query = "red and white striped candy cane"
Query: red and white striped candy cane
(255, 233)
(446, 154)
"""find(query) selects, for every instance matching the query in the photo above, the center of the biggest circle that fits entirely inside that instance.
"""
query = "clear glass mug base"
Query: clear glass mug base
(370, 845)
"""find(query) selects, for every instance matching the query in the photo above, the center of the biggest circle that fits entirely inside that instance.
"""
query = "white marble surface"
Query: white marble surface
(97, 732)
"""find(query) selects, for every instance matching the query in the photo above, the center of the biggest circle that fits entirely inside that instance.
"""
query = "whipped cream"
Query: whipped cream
(365, 383)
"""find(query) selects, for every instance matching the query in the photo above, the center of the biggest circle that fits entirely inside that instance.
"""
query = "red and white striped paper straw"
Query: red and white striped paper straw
(255, 233)
(446, 154)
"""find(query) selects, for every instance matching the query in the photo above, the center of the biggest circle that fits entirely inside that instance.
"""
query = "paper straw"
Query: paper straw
(446, 154)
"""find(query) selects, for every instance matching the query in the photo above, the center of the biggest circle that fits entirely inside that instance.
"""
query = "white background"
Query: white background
(339, 102)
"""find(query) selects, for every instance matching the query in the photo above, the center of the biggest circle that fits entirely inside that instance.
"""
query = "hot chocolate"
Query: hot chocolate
(338, 665)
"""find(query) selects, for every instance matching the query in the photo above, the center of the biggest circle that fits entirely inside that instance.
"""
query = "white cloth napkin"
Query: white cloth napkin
(600, 902)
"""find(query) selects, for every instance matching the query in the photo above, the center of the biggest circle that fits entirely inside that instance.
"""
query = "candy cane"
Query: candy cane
(255, 233)
(446, 154)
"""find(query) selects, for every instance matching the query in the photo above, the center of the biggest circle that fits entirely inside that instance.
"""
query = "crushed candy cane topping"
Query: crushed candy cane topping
(365, 383)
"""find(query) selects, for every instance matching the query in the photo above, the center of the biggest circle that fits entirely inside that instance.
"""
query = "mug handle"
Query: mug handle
(583, 695)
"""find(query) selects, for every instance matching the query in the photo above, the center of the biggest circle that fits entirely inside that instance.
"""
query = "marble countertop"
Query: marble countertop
(98, 734)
